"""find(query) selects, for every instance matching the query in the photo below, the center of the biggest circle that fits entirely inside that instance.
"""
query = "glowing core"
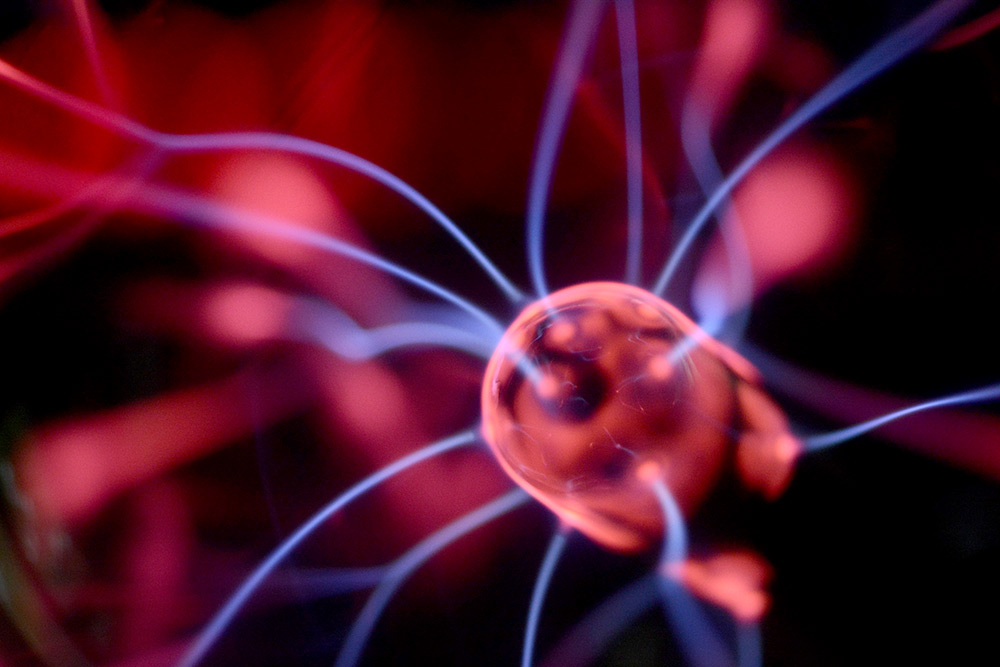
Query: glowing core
(598, 379)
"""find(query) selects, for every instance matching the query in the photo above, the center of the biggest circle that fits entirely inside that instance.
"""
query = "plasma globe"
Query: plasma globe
(599, 381)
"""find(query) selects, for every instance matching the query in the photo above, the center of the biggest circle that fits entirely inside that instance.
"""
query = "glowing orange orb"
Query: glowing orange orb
(595, 380)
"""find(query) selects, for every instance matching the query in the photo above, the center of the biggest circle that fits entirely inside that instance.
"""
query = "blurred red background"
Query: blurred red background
(160, 432)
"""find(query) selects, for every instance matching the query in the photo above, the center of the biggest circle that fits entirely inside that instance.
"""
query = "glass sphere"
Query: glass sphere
(598, 379)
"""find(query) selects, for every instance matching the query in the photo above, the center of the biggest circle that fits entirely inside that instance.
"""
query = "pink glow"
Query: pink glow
(234, 314)
(735, 581)
(247, 313)
(282, 187)
(797, 211)
(73, 468)
(735, 36)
